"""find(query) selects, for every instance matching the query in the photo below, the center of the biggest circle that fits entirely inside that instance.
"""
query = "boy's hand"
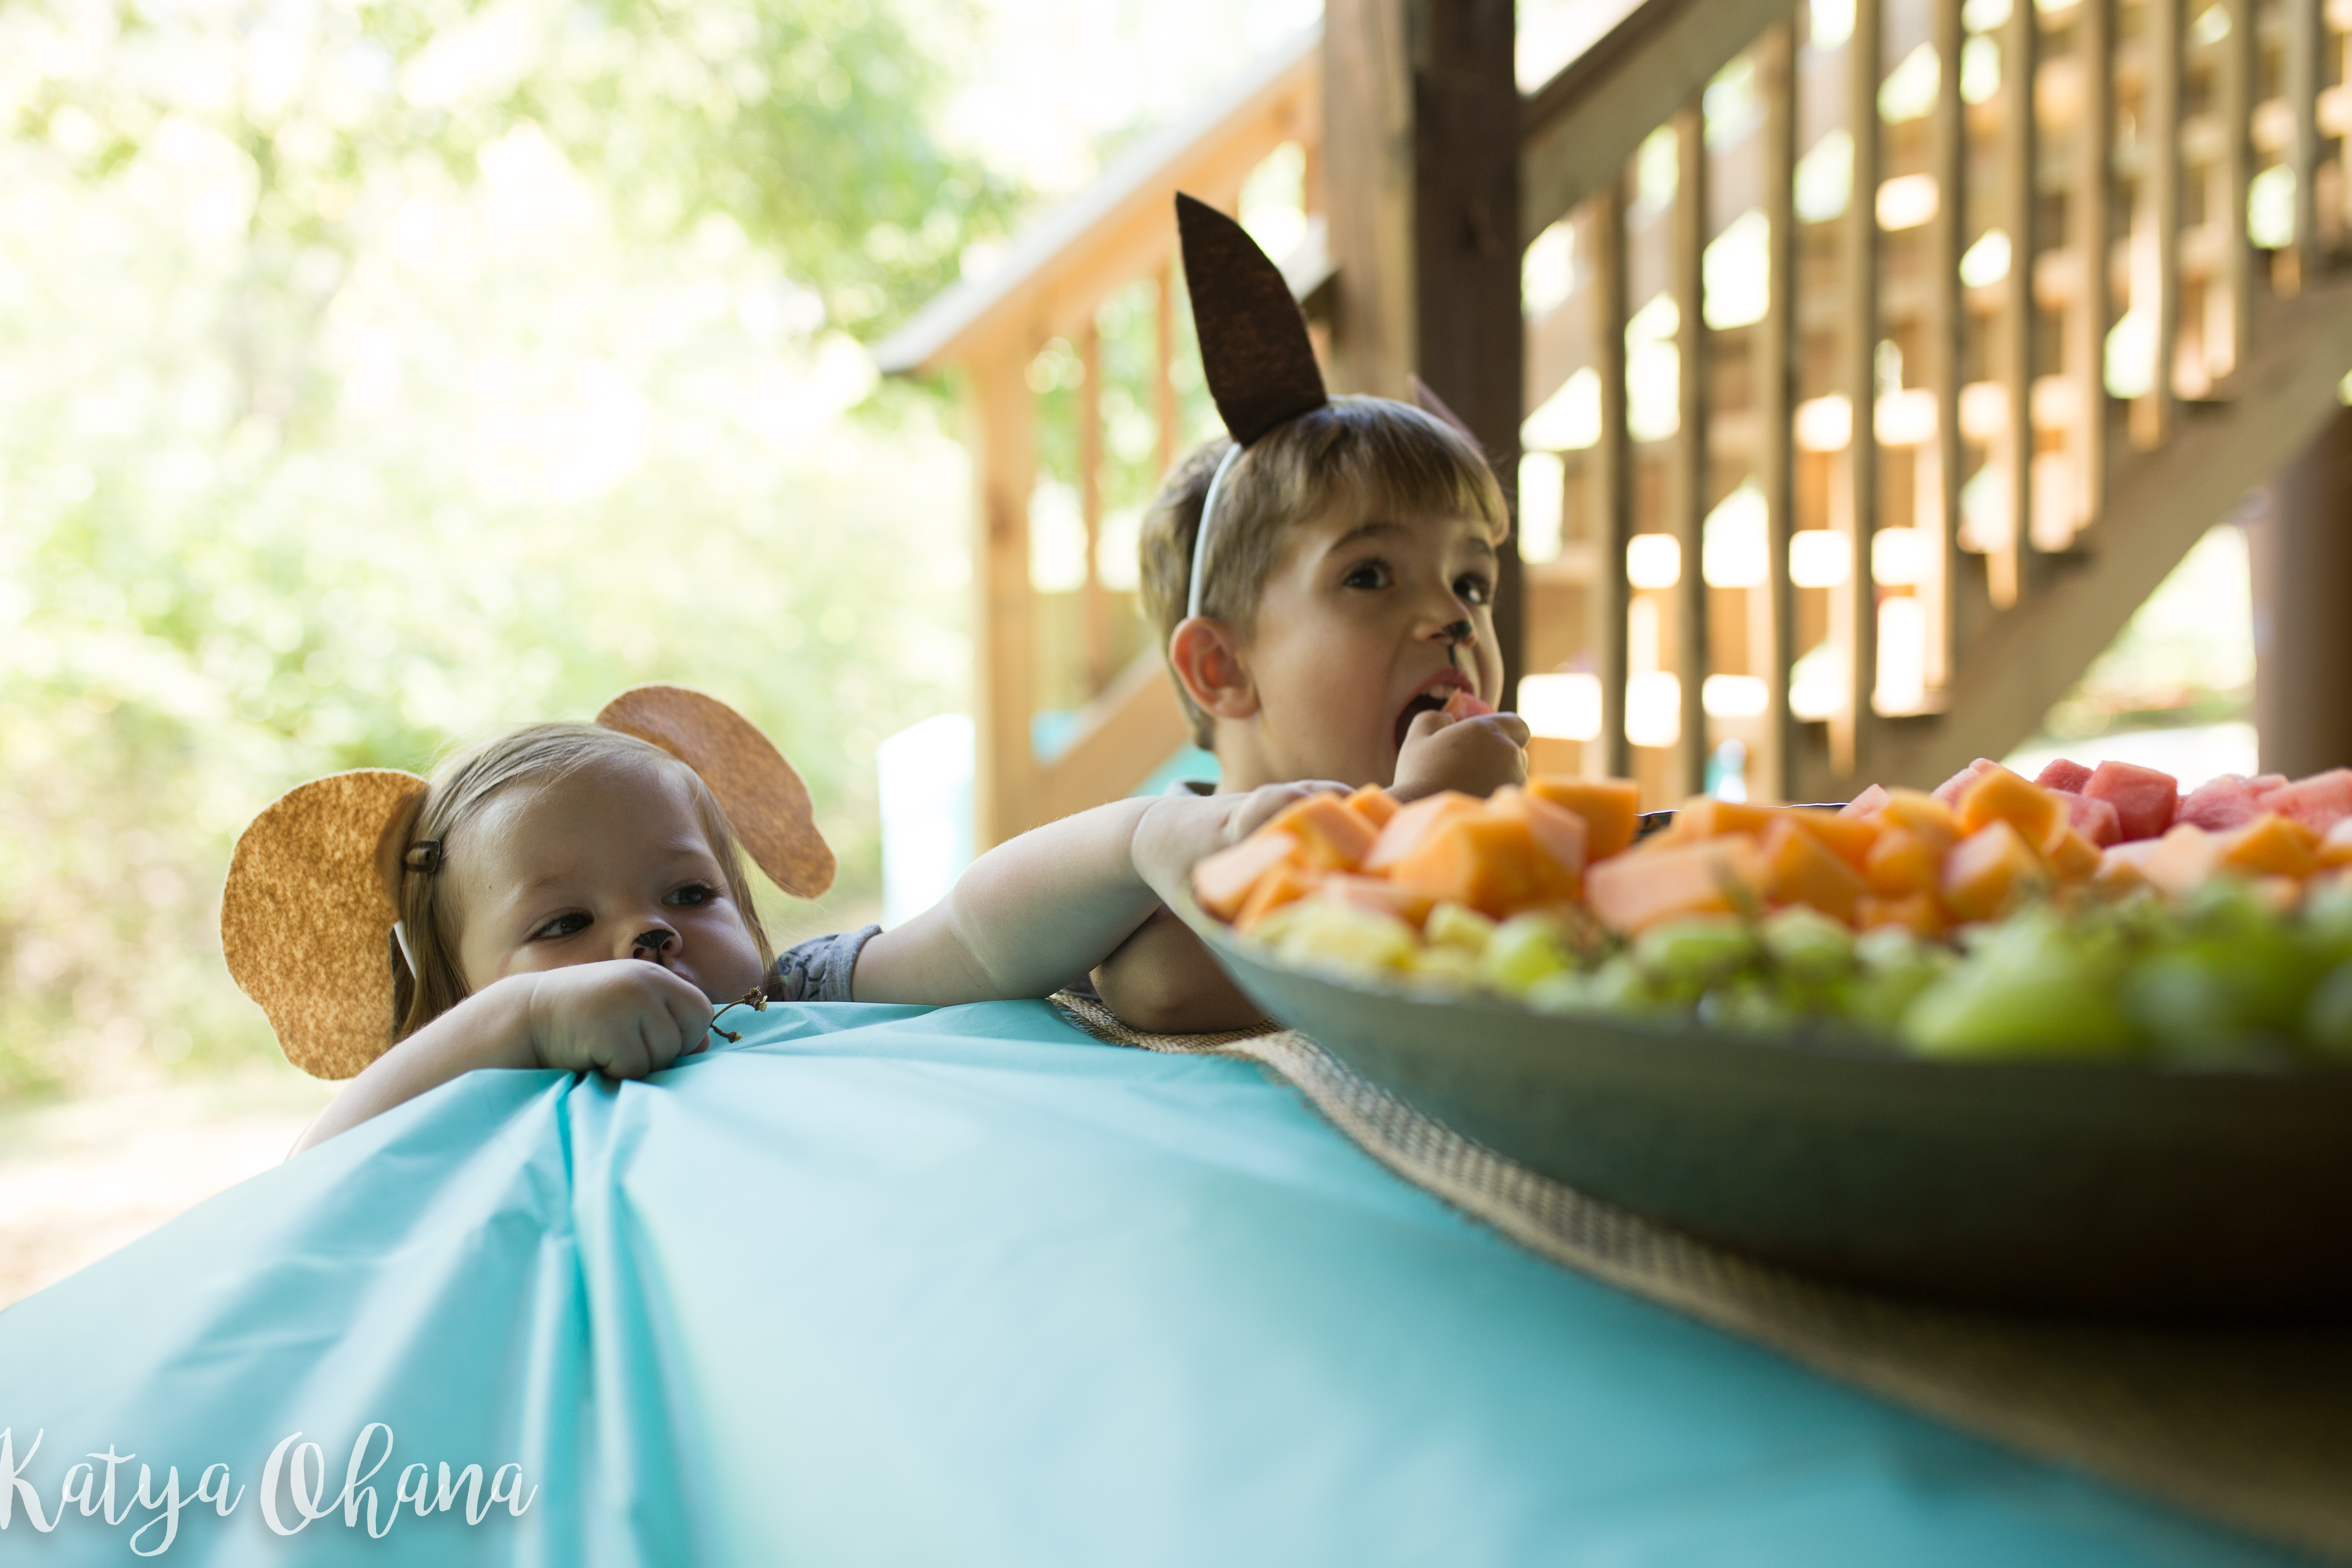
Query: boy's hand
(624, 1017)
(1477, 756)
(1179, 830)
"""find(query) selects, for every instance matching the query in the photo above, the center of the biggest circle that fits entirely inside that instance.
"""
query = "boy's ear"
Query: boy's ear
(1207, 658)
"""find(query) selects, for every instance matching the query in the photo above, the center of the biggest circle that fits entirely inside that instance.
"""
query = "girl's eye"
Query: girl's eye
(694, 894)
(562, 926)
(1368, 575)
(1473, 590)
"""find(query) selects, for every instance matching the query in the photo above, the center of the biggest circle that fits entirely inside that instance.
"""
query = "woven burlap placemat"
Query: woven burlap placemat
(2250, 1426)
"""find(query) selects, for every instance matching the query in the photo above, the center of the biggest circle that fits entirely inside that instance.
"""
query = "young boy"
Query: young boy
(1346, 596)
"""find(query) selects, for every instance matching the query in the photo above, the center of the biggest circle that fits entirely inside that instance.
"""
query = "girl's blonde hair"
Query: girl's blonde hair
(459, 793)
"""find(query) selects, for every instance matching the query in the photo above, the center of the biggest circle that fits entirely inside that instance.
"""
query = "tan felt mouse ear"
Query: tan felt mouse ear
(1425, 398)
(762, 796)
(306, 918)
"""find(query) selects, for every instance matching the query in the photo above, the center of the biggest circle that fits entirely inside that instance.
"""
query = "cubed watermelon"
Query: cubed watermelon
(2265, 786)
(2096, 820)
(1949, 791)
(2220, 805)
(2143, 797)
(2063, 775)
(1863, 804)
(2319, 801)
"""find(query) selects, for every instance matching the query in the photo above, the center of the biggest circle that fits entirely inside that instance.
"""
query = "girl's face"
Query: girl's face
(609, 861)
(1365, 623)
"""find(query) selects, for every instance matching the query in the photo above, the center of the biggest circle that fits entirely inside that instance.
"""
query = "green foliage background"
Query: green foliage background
(375, 375)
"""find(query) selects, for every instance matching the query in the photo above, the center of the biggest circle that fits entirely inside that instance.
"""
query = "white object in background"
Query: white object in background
(925, 789)
(1565, 706)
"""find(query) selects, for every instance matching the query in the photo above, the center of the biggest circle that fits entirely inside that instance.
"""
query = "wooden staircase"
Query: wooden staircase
(1742, 221)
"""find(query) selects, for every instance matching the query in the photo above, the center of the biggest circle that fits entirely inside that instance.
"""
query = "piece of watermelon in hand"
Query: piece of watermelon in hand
(1467, 705)
(2065, 776)
(2144, 798)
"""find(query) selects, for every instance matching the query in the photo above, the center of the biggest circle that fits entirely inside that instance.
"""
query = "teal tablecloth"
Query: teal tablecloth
(883, 1286)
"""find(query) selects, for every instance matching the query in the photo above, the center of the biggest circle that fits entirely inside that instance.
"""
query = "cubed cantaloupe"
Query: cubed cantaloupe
(2070, 857)
(2270, 846)
(1490, 861)
(1611, 809)
(1374, 804)
(1222, 881)
(1989, 867)
(1921, 813)
(1286, 883)
(1922, 913)
(1331, 835)
(1848, 838)
(2000, 795)
(1708, 876)
(1798, 868)
(1414, 823)
(1704, 817)
(2182, 860)
(1379, 894)
(1904, 863)
(1560, 833)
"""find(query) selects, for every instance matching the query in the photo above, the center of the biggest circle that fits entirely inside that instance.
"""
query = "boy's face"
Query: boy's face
(1366, 621)
(579, 869)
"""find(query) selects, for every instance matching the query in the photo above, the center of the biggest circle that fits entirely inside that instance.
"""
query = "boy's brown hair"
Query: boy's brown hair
(462, 789)
(1376, 454)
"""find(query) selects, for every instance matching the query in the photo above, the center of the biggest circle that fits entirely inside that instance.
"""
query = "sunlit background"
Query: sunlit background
(375, 375)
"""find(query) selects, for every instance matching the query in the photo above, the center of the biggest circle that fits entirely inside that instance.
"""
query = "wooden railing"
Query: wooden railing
(1846, 434)
(1998, 275)
(1045, 299)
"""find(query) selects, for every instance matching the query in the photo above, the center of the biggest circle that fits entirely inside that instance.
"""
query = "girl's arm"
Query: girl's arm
(1038, 912)
(623, 1017)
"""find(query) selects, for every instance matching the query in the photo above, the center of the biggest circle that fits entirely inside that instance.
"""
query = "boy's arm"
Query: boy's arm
(1037, 911)
(1163, 980)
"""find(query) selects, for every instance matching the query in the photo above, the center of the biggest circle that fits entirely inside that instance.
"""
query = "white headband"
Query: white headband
(1201, 534)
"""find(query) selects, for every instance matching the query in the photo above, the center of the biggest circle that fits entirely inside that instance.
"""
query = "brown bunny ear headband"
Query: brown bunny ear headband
(306, 918)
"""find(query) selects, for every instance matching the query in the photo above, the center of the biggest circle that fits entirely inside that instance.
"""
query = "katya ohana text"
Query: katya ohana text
(293, 1482)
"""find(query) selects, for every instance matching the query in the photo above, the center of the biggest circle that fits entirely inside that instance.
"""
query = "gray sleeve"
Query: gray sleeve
(819, 969)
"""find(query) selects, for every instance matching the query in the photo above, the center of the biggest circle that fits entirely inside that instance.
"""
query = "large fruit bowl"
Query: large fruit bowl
(2118, 1189)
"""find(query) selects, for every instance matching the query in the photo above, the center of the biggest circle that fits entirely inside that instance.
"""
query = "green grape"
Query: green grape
(1746, 1004)
(1524, 950)
(1695, 951)
(2179, 999)
(2030, 988)
(1808, 946)
(1621, 986)
(2328, 921)
(1450, 968)
(1451, 925)
(1566, 992)
(2327, 1018)
(1344, 937)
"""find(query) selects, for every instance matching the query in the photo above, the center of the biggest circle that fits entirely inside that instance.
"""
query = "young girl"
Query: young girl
(571, 896)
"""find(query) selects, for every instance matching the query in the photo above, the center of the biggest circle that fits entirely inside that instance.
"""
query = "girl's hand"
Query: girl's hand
(1477, 756)
(624, 1017)
(1179, 830)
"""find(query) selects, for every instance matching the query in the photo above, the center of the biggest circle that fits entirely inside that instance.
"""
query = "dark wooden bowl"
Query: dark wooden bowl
(2077, 1187)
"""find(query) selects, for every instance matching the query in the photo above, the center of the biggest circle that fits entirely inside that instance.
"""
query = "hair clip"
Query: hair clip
(424, 855)
(755, 999)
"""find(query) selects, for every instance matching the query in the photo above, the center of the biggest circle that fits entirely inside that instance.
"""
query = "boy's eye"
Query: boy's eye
(1473, 590)
(572, 924)
(694, 894)
(1366, 574)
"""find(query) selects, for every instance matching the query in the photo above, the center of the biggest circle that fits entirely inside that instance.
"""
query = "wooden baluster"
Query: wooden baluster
(2159, 136)
(1940, 463)
(2230, 309)
(1163, 375)
(2092, 212)
(1095, 607)
(1612, 478)
(2020, 59)
(1775, 365)
(1003, 443)
(1691, 646)
(1858, 511)
(2300, 78)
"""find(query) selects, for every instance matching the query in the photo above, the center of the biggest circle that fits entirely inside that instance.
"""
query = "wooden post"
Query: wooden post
(1469, 339)
(2230, 318)
(1612, 591)
(1939, 466)
(1690, 649)
(2160, 133)
(1163, 371)
(1368, 182)
(1002, 441)
(1096, 607)
(1776, 368)
(2020, 60)
(2300, 72)
(1849, 732)
(2092, 208)
(2303, 639)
